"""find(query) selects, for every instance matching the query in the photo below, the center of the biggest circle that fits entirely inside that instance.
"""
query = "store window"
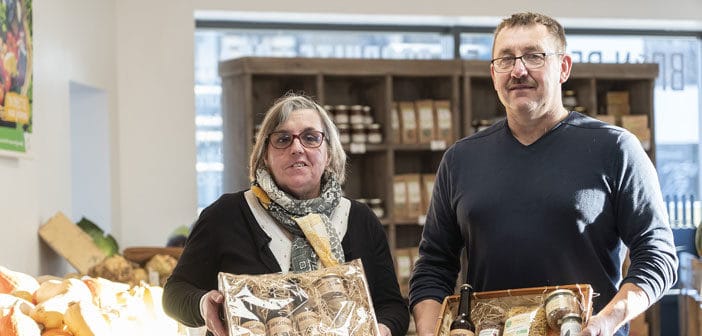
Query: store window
(677, 90)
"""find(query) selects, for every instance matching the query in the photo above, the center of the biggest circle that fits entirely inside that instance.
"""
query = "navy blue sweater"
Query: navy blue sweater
(558, 211)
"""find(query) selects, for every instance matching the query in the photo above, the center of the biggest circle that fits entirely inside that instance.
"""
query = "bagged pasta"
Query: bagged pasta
(332, 301)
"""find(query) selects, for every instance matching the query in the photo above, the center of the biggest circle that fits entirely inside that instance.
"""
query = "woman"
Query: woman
(297, 165)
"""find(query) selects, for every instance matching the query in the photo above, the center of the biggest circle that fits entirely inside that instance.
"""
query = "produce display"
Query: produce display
(105, 242)
(80, 307)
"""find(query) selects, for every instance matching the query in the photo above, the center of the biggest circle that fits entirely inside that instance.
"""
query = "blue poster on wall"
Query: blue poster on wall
(15, 75)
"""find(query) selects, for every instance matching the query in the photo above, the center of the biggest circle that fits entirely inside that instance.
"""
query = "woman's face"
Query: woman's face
(298, 169)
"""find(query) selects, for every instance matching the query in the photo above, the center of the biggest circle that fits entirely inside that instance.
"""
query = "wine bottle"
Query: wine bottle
(462, 325)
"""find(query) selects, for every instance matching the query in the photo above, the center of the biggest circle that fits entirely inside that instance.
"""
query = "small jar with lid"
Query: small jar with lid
(558, 304)
(489, 327)
(367, 116)
(344, 133)
(375, 135)
(376, 204)
(356, 114)
(341, 114)
(358, 133)
(571, 325)
(569, 99)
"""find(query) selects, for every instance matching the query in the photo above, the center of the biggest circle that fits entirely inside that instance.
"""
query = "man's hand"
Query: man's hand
(210, 306)
(426, 313)
(629, 302)
(600, 325)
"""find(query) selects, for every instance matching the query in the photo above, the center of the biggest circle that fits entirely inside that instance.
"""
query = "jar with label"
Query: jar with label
(279, 323)
(341, 114)
(356, 114)
(255, 327)
(376, 204)
(490, 327)
(571, 325)
(306, 319)
(569, 99)
(560, 303)
(367, 116)
(344, 133)
(358, 133)
(375, 135)
(330, 285)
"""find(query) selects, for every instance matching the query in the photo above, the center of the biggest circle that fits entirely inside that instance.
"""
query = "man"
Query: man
(546, 197)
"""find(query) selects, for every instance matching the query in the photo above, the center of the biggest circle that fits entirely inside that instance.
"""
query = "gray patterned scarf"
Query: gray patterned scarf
(303, 219)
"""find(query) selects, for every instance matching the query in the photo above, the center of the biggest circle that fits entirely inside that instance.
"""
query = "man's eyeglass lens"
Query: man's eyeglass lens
(309, 139)
(530, 61)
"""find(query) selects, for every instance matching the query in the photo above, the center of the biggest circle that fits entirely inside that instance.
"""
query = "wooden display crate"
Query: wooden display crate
(510, 298)
(69, 241)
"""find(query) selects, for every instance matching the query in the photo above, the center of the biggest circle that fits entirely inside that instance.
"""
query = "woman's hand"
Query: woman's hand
(384, 330)
(210, 307)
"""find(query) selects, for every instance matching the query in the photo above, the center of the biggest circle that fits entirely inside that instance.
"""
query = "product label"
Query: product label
(519, 325)
(570, 328)
(461, 332)
(489, 332)
(280, 326)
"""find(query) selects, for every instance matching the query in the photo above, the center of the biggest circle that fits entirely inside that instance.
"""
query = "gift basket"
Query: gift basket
(537, 311)
(331, 301)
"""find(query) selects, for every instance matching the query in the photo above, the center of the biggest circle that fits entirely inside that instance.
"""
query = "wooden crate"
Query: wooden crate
(69, 241)
(509, 298)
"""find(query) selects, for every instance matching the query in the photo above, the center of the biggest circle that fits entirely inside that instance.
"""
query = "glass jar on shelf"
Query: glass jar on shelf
(358, 133)
(570, 100)
(375, 135)
(341, 114)
(356, 114)
(344, 133)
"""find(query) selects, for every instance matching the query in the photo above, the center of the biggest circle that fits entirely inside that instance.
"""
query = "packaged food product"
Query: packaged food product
(331, 301)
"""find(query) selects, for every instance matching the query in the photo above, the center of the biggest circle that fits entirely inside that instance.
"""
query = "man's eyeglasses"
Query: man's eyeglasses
(308, 139)
(530, 61)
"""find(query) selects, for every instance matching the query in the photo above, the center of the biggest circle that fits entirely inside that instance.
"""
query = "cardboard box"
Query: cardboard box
(509, 298)
(400, 196)
(618, 98)
(414, 195)
(425, 114)
(612, 120)
(635, 122)
(69, 241)
(618, 110)
(403, 264)
(427, 188)
(408, 122)
(395, 123)
(444, 122)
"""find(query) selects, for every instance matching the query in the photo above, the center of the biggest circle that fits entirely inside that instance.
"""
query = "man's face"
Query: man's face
(523, 90)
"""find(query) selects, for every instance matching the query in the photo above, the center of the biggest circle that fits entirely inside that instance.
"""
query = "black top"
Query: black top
(228, 238)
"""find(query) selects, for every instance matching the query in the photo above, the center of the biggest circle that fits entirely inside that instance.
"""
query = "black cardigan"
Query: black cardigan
(228, 238)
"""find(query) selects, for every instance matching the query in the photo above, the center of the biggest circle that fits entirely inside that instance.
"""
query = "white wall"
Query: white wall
(140, 53)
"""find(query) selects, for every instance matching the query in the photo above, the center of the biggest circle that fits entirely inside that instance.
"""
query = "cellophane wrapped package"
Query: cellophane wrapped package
(332, 301)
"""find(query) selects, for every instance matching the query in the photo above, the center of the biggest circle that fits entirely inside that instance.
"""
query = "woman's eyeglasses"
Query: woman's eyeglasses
(308, 139)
